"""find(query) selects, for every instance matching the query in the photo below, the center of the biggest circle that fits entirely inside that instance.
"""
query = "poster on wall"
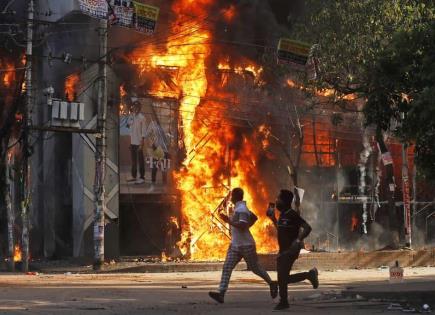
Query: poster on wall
(121, 13)
(148, 146)
(126, 13)
(94, 8)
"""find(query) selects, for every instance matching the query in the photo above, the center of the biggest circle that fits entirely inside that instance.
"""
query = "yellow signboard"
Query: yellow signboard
(292, 51)
(145, 17)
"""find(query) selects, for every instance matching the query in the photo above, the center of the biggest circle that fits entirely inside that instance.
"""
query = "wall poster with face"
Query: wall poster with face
(148, 146)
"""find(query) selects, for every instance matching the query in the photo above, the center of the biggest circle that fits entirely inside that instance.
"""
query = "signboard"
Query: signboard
(396, 273)
(94, 8)
(122, 13)
(145, 17)
(387, 159)
(293, 52)
(406, 205)
(126, 13)
(349, 198)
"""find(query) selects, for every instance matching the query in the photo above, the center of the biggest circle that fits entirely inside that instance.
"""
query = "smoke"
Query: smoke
(375, 240)
(364, 155)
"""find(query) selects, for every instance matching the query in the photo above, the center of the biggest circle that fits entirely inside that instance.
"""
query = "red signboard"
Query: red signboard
(406, 204)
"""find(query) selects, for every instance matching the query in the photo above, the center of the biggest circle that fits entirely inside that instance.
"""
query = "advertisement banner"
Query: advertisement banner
(95, 8)
(387, 159)
(293, 52)
(145, 17)
(406, 205)
(121, 13)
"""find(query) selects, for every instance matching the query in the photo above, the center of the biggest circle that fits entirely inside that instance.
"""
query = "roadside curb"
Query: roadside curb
(412, 292)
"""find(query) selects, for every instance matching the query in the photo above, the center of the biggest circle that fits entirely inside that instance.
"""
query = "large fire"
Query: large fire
(219, 157)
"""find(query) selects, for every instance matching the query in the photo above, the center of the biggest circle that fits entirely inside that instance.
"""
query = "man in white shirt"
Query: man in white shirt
(242, 246)
(137, 137)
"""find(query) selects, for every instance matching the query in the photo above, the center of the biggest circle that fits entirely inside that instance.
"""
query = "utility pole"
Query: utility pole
(405, 192)
(392, 225)
(25, 202)
(100, 152)
(406, 196)
(10, 214)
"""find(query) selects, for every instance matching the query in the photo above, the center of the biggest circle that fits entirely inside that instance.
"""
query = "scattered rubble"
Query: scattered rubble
(408, 308)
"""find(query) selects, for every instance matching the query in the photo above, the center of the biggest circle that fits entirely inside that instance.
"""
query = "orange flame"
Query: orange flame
(211, 165)
(174, 221)
(71, 86)
(229, 13)
(17, 254)
(265, 132)
(354, 222)
(326, 92)
(123, 110)
(8, 75)
(122, 91)
(324, 144)
(10, 154)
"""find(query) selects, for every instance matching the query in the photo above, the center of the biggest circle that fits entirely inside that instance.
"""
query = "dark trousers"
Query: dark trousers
(137, 158)
(154, 172)
(284, 264)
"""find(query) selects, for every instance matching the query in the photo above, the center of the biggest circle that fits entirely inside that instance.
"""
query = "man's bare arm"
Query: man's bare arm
(304, 231)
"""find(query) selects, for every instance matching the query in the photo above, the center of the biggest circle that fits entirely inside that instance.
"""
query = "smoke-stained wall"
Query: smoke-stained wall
(62, 163)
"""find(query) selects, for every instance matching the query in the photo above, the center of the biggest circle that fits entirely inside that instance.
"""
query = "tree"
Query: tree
(403, 83)
(351, 35)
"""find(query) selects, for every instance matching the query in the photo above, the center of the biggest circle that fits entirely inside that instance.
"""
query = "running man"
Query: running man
(292, 230)
(242, 246)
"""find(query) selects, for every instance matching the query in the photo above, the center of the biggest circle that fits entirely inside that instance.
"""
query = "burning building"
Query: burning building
(218, 113)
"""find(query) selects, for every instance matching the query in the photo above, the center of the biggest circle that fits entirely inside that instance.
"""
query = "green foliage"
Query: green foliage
(351, 33)
(384, 51)
(403, 81)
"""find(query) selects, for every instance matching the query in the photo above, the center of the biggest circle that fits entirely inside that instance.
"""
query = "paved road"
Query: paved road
(186, 293)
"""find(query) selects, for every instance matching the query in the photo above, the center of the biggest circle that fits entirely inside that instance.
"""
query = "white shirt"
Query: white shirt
(241, 237)
(138, 129)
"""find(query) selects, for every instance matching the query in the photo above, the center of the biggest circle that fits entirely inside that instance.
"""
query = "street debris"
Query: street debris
(326, 295)
(407, 308)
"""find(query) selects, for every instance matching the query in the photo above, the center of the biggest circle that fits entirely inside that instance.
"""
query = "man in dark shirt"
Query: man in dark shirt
(292, 230)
